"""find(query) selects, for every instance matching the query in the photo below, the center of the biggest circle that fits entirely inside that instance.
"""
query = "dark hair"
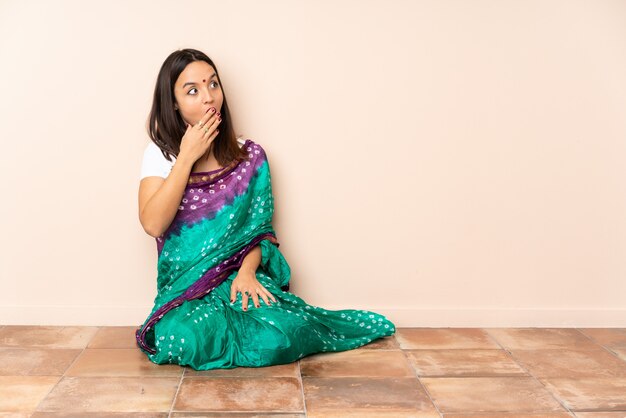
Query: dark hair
(166, 126)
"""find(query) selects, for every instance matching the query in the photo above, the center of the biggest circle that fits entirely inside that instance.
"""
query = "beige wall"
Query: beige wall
(445, 163)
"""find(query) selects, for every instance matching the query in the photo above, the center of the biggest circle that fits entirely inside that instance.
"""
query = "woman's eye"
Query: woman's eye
(212, 82)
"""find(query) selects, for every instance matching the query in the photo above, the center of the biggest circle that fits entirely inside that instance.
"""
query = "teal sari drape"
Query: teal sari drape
(222, 216)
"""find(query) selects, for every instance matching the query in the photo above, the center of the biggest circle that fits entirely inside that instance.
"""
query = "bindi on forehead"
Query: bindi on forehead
(203, 80)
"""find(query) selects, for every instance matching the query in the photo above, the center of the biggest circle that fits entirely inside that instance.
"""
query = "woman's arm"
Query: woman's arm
(159, 198)
(252, 260)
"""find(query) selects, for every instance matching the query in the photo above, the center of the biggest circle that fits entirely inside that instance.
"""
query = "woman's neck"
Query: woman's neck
(208, 155)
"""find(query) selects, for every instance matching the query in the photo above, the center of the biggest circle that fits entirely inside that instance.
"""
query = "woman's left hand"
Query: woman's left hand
(247, 283)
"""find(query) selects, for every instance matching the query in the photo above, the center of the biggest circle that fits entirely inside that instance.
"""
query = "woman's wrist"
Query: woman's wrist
(247, 269)
(252, 260)
(185, 161)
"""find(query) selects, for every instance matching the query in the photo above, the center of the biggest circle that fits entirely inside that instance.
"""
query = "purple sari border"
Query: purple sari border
(197, 173)
(235, 180)
(201, 287)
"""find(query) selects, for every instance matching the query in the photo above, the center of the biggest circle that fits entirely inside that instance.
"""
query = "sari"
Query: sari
(223, 215)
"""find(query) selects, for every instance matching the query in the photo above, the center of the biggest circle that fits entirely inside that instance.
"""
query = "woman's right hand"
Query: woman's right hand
(198, 138)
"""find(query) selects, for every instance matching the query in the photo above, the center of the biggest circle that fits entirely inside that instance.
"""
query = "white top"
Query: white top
(155, 164)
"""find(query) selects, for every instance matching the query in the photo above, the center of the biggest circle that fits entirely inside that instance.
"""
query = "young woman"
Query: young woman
(206, 196)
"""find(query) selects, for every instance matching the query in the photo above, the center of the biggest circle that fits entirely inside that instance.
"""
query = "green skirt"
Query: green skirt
(211, 333)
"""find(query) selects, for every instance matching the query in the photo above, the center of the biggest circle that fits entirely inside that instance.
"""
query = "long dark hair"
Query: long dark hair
(166, 126)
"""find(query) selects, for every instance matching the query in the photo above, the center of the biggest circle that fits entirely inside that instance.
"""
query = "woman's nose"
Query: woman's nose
(207, 96)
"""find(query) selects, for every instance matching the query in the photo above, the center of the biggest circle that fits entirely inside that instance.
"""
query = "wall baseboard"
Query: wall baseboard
(408, 317)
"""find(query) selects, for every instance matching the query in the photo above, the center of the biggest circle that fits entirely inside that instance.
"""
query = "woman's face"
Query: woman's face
(196, 90)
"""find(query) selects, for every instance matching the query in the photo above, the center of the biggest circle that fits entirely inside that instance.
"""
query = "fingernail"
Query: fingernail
(245, 309)
(219, 114)
(212, 109)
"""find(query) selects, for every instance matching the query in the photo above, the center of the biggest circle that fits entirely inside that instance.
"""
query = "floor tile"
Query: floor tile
(46, 336)
(608, 337)
(114, 337)
(119, 362)
(540, 338)
(570, 363)
(236, 394)
(602, 394)
(111, 394)
(280, 370)
(444, 338)
(619, 352)
(99, 372)
(357, 363)
(36, 361)
(433, 363)
(385, 343)
(377, 413)
(233, 415)
(23, 393)
(490, 394)
(513, 415)
(365, 395)
(100, 415)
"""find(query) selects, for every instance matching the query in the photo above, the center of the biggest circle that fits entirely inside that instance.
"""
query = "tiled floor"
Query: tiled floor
(418, 372)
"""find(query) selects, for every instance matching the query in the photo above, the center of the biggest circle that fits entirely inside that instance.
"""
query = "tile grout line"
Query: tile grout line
(180, 383)
(306, 414)
(65, 371)
(527, 371)
(417, 377)
(601, 345)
